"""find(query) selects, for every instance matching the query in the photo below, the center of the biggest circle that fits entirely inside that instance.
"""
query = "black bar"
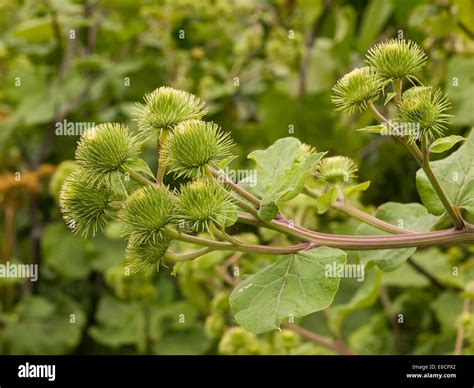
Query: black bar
(317, 371)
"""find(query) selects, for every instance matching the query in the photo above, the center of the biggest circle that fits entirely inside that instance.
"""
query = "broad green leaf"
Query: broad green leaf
(294, 286)
(411, 216)
(455, 174)
(372, 129)
(365, 296)
(356, 188)
(325, 201)
(445, 143)
(281, 172)
(272, 162)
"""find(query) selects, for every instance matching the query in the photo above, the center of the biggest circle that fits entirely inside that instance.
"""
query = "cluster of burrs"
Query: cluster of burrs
(388, 63)
(110, 182)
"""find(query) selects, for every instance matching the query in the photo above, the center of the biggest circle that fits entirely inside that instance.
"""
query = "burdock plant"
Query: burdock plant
(165, 221)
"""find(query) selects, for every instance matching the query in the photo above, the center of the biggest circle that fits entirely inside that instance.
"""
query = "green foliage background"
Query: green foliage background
(266, 69)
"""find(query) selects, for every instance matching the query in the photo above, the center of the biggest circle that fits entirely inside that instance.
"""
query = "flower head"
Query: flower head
(421, 106)
(147, 211)
(356, 89)
(396, 58)
(85, 209)
(166, 107)
(204, 203)
(104, 149)
(145, 258)
(193, 145)
(336, 170)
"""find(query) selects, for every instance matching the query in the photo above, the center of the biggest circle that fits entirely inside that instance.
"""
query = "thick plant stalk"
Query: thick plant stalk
(227, 246)
(426, 239)
(446, 237)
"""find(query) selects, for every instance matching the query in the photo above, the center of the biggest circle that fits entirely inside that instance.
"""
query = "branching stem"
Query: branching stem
(422, 159)
(221, 177)
(187, 256)
(425, 239)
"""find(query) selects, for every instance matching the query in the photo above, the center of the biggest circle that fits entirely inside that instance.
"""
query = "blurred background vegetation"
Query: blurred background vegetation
(266, 69)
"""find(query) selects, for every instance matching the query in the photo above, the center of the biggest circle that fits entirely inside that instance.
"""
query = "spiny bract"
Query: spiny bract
(203, 204)
(356, 89)
(85, 209)
(145, 258)
(421, 106)
(336, 170)
(395, 59)
(193, 145)
(104, 150)
(147, 211)
(166, 107)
